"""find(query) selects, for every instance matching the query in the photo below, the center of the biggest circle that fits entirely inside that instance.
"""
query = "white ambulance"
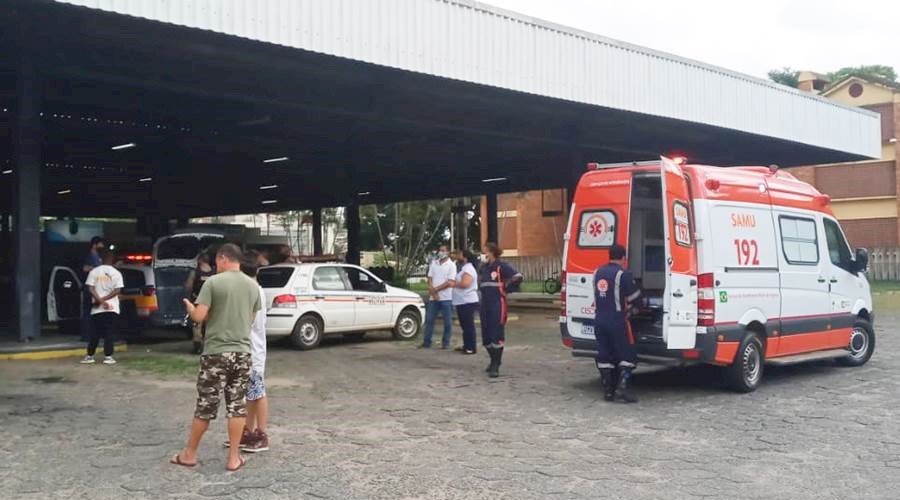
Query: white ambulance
(739, 267)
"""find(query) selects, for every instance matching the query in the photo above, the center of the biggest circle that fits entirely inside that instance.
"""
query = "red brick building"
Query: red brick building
(530, 224)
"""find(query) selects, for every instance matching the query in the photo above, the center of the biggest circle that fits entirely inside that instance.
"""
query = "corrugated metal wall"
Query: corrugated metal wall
(469, 41)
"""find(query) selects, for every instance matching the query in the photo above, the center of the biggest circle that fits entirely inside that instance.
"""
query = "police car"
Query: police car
(305, 302)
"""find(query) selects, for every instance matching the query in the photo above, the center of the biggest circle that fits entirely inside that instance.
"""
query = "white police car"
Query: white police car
(308, 301)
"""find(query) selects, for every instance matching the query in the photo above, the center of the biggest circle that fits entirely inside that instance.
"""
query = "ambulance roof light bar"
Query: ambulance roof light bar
(605, 166)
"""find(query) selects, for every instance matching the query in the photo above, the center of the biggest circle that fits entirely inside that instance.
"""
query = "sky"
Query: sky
(747, 36)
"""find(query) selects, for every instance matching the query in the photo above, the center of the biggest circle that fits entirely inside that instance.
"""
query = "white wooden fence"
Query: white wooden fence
(884, 264)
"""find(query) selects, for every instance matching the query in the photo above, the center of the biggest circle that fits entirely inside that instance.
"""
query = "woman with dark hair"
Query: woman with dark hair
(465, 297)
(496, 278)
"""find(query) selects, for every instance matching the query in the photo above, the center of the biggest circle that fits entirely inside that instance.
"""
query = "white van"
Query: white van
(739, 266)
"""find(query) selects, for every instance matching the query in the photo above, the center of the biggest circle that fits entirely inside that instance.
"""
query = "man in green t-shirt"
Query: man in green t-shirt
(228, 303)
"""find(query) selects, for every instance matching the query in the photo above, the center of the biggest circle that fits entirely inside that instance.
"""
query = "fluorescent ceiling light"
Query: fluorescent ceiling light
(273, 160)
(364, 193)
(269, 202)
(64, 191)
(145, 179)
(7, 172)
(494, 179)
(123, 146)
(270, 186)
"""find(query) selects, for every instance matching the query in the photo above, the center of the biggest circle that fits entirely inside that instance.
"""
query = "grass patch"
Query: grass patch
(161, 363)
(885, 286)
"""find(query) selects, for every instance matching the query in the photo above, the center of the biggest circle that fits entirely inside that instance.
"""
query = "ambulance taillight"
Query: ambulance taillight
(562, 294)
(706, 300)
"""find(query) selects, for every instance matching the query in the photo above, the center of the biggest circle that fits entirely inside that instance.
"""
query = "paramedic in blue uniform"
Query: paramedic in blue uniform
(495, 279)
(614, 291)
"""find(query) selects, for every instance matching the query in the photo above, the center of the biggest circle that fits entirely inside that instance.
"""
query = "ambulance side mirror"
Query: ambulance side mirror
(862, 260)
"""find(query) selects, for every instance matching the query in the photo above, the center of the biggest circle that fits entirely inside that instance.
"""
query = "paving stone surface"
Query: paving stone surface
(382, 419)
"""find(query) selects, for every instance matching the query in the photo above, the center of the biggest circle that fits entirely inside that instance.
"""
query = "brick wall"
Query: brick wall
(538, 235)
(871, 233)
(857, 181)
(805, 174)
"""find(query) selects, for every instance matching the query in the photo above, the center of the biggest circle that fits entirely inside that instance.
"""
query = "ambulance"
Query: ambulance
(739, 267)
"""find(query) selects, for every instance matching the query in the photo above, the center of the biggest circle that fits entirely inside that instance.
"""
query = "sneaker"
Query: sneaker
(109, 360)
(260, 443)
(88, 360)
(246, 438)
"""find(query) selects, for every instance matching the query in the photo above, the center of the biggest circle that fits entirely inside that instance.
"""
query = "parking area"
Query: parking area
(382, 419)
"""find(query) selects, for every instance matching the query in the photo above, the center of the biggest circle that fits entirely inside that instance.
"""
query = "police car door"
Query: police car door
(680, 296)
(63, 295)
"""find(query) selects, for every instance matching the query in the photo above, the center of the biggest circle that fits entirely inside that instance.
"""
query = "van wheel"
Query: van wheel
(745, 373)
(407, 326)
(862, 344)
(307, 333)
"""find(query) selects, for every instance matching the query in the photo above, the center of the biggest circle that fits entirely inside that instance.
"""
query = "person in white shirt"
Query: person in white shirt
(465, 298)
(104, 284)
(441, 280)
(257, 401)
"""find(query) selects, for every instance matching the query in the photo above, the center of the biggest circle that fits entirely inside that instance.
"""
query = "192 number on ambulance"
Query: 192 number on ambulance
(747, 252)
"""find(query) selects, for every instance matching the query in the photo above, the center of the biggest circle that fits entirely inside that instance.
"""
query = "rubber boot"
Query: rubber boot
(198, 347)
(498, 357)
(490, 351)
(608, 379)
(623, 390)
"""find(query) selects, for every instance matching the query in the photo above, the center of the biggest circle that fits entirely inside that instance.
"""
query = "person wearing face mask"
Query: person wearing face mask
(441, 280)
(465, 298)
(496, 278)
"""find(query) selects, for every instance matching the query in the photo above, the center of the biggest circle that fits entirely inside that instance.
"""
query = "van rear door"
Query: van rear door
(680, 296)
(599, 218)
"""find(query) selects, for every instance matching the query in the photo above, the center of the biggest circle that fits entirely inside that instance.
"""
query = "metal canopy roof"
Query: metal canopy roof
(206, 109)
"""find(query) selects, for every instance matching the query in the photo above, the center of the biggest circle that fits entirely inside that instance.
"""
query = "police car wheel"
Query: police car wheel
(745, 373)
(862, 344)
(307, 333)
(407, 326)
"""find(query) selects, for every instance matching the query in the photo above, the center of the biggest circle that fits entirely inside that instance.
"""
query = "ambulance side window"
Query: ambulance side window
(838, 249)
(799, 241)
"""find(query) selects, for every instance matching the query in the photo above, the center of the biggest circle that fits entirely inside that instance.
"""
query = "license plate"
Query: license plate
(587, 330)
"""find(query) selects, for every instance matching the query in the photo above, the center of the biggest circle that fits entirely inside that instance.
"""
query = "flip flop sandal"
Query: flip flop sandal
(243, 463)
(176, 460)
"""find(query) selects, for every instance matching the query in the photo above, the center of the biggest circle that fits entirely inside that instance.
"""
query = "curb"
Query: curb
(55, 354)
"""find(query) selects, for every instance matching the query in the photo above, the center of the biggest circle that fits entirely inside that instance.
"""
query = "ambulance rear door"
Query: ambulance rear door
(680, 296)
(600, 216)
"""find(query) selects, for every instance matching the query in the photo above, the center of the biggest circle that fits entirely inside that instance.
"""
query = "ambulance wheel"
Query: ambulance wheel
(408, 325)
(307, 333)
(745, 373)
(862, 344)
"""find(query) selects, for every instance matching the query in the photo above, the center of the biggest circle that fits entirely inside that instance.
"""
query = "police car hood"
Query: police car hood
(400, 292)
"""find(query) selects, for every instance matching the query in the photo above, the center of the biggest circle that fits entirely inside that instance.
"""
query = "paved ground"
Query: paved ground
(381, 419)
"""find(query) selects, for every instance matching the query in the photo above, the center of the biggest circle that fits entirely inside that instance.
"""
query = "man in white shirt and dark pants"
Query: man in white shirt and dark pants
(441, 280)
(104, 283)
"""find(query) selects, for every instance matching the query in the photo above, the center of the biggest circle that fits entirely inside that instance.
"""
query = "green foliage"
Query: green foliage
(406, 233)
(785, 76)
(876, 73)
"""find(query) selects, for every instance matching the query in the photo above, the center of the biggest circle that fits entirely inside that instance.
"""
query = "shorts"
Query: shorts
(257, 388)
(227, 372)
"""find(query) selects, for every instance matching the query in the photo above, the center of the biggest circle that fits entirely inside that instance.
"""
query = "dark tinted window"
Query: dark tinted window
(133, 278)
(172, 277)
(363, 281)
(274, 277)
(185, 247)
(838, 249)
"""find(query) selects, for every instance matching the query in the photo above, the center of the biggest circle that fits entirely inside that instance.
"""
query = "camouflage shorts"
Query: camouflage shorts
(229, 373)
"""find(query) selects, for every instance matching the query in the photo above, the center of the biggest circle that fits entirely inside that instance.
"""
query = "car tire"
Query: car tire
(408, 325)
(307, 333)
(746, 372)
(355, 336)
(862, 344)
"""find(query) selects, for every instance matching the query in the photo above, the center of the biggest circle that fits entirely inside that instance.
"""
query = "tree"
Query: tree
(877, 73)
(405, 233)
(785, 76)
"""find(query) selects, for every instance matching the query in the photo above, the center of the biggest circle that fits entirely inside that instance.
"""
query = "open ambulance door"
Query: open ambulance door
(680, 296)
